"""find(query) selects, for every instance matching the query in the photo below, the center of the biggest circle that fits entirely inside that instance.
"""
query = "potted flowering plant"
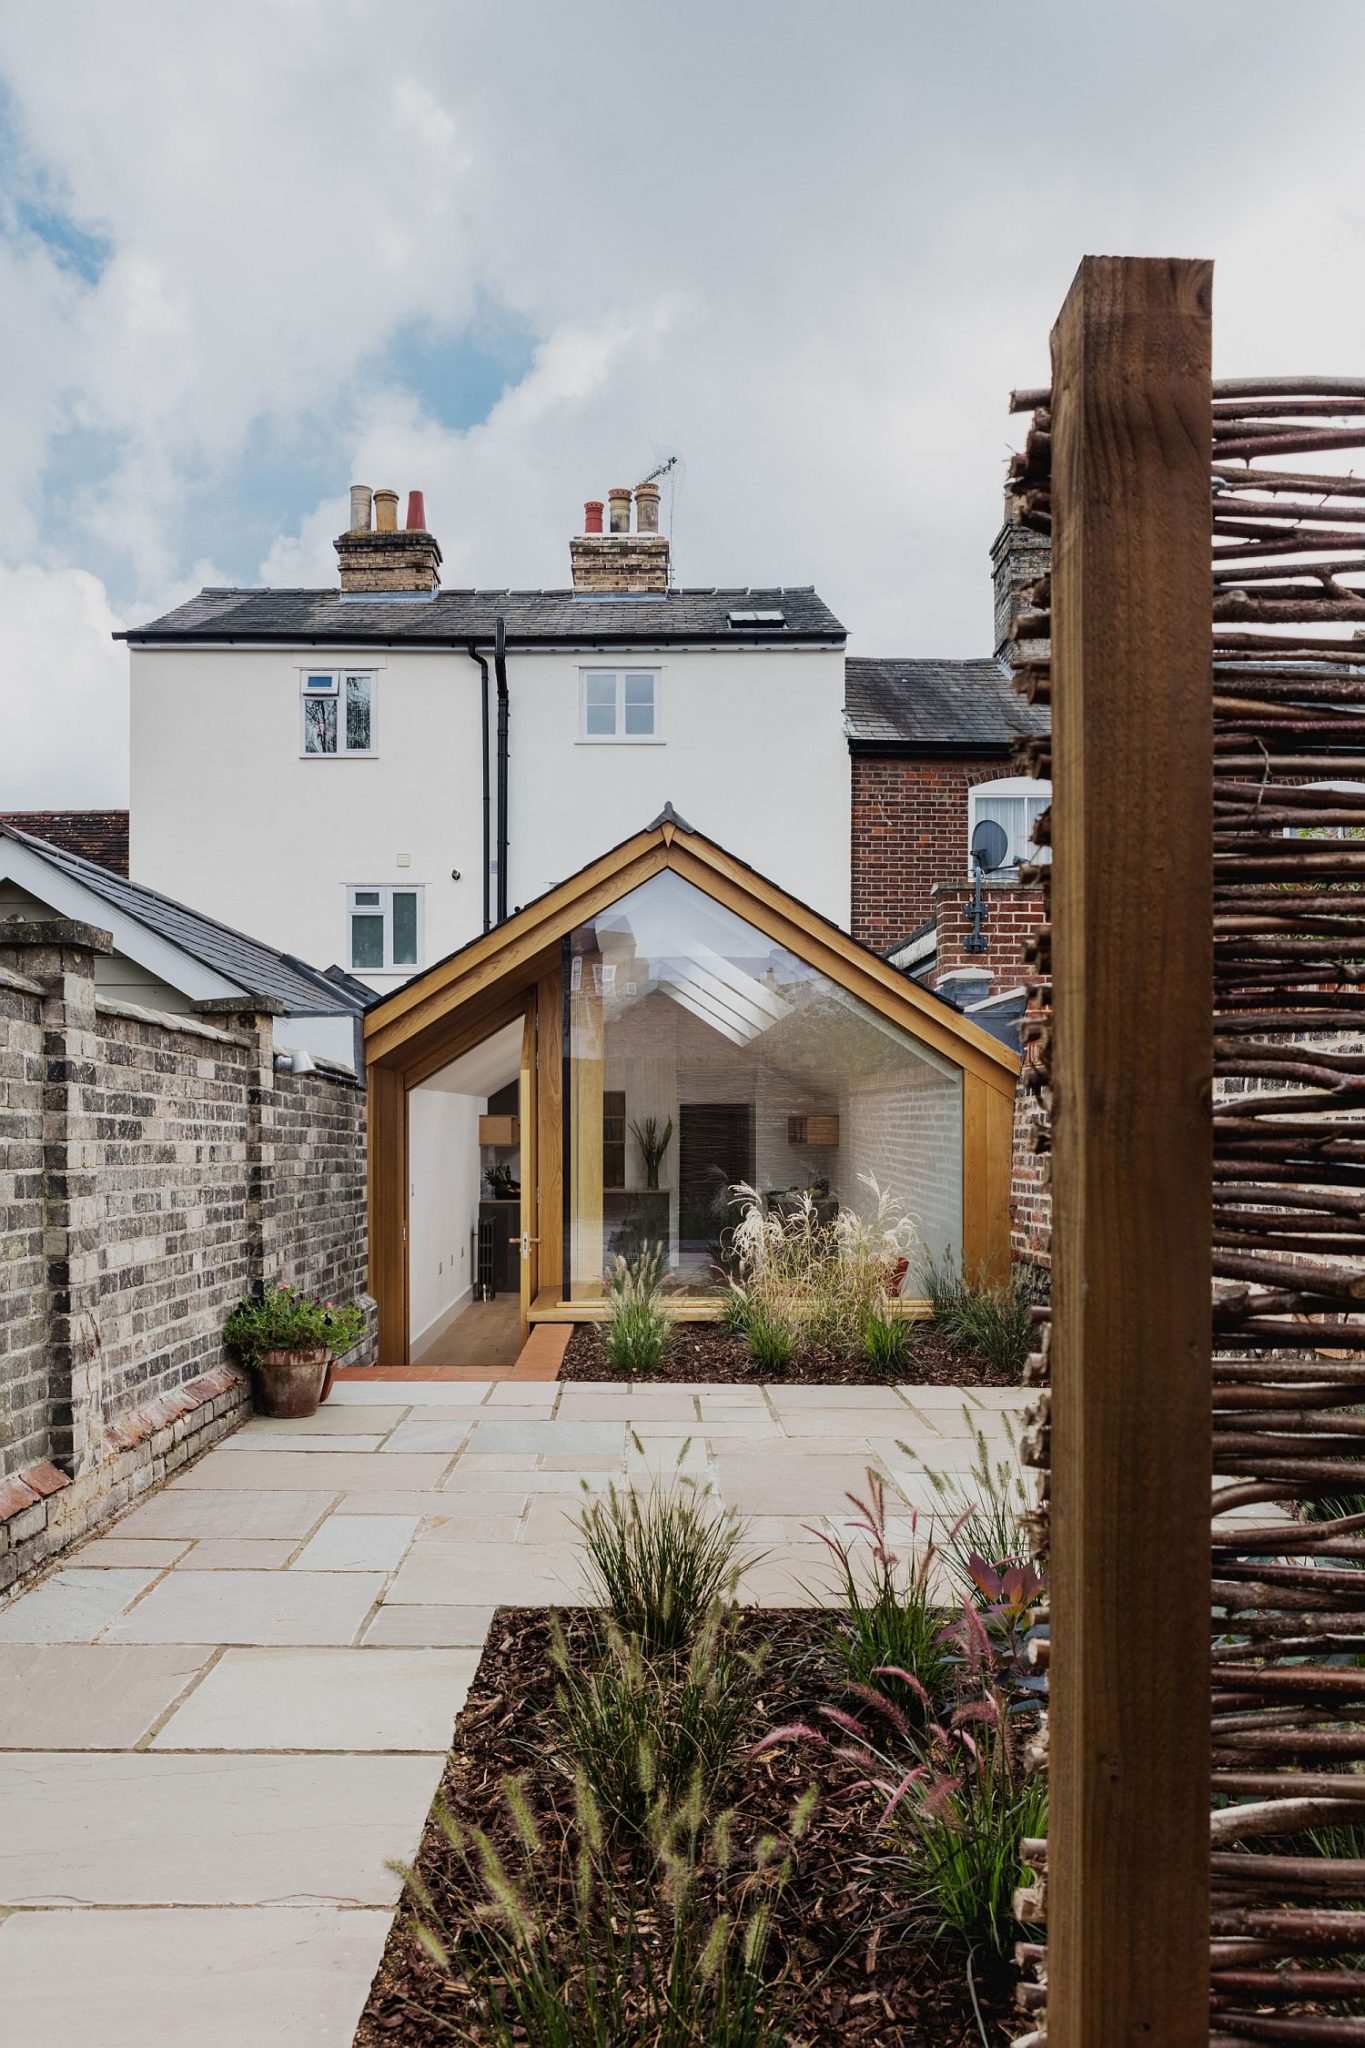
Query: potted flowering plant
(289, 1340)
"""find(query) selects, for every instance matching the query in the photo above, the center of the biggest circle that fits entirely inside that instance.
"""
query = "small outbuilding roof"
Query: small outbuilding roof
(286, 984)
(927, 706)
(533, 618)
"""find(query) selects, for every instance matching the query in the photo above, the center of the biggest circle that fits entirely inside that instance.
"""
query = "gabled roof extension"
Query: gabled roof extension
(926, 706)
(401, 1023)
(534, 618)
(258, 970)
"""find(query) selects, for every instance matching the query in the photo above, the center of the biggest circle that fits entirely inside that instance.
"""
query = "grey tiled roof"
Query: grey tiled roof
(533, 617)
(936, 705)
(257, 969)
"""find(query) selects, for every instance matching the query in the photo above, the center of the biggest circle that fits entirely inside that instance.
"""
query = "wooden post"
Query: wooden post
(1128, 1858)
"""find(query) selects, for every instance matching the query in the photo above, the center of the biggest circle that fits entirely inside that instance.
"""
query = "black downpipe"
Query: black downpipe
(500, 671)
(474, 655)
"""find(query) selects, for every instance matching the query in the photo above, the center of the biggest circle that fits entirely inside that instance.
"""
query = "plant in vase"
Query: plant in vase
(289, 1341)
(653, 1143)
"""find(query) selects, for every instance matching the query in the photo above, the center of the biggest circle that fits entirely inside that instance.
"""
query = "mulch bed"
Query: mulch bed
(863, 1982)
(704, 1351)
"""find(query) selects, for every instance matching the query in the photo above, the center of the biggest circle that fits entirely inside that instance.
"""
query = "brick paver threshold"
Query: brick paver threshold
(223, 1718)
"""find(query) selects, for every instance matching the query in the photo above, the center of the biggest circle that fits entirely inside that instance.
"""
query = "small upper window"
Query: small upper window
(385, 929)
(1015, 803)
(619, 704)
(338, 711)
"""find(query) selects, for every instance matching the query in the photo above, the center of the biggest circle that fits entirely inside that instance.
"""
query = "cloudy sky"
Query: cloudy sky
(517, 254)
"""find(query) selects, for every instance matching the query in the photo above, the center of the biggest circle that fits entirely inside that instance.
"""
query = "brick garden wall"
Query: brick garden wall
(155, 1169)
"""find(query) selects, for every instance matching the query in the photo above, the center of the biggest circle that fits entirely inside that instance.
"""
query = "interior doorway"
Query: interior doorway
(466, 1152)
(715, 1150)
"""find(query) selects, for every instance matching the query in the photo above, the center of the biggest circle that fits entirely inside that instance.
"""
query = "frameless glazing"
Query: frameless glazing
(683, 1015)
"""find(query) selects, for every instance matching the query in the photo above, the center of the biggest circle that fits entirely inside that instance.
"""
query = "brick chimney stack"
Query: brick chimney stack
(384, 560)
(619, 562)
(1019, 557)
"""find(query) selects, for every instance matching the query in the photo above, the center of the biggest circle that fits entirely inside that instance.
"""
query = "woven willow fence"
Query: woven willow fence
(1286, 1591)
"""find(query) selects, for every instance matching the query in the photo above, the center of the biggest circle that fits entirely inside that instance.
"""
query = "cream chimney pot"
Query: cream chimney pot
(360, 508)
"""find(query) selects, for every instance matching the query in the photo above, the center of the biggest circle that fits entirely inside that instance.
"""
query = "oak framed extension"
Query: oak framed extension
(779, 991)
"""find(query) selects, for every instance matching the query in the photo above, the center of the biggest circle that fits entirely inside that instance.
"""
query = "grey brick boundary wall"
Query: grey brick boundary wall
(152, 1170)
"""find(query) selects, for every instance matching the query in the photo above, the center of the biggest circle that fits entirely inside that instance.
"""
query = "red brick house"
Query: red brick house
(931, 745)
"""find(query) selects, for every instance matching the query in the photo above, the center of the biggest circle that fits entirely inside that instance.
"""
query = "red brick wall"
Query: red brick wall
(1012, 916)
(910, 823)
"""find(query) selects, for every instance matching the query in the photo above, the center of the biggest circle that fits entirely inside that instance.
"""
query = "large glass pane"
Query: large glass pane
(599, 703)
(1009, 813)
(319, 725)
(358, 714)
(367, 942)
(405, 928)
(731, 1061)
(639, 705)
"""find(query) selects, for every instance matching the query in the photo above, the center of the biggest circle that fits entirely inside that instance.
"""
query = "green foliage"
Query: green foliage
(660, 1562)
(990, 1316)
(820, 1276)
(888, 1618)
(886, 1340)
(959, 1830)
(638, 1328)
(283, 1320)
(649, 1735)
(607, 1962)
(981, 1513)
(1330, 1508)
(735, 1311)
(772, 1342)
(653, 1143)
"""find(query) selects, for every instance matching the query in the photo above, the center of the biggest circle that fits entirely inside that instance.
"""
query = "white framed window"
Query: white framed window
(1015, 803)
(336, 712)
(384, 932)
(619, 706)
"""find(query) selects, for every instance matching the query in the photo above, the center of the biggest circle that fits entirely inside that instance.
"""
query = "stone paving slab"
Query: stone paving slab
(85, 1696)
(279, 1975)
(286, 1471)
(372, 1699)
(228, 1712)
(140, 1829)
(251, 1607)
(358, 1543)
(72, 1606)
(230, 1512)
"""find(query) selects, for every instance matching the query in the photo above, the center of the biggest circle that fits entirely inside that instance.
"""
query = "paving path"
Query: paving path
(221, 1720)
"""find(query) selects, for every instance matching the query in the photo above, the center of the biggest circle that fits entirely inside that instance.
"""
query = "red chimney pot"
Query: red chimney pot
(417, 512)
(592, 516)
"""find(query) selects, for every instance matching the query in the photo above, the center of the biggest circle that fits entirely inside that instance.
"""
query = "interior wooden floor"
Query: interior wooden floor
(484, 1333)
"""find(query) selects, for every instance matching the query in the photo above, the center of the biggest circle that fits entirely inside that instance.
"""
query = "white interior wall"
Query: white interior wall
(443, 1201)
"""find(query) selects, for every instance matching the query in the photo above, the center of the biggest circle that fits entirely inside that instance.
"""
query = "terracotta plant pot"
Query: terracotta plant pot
(289, 1383)
(328, 1377)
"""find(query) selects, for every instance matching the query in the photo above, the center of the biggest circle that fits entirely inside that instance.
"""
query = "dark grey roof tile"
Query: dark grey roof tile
(533, 617)
(936, 705)
(260, 970)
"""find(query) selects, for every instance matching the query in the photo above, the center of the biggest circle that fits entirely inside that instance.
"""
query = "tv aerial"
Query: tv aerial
(990, 845)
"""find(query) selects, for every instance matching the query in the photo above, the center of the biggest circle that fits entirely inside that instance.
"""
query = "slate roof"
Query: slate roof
(926, 706)
(455, 617)
(257, 969)
(101, 836)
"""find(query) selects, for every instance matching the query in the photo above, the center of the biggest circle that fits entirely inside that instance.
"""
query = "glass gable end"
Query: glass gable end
(700, 1054)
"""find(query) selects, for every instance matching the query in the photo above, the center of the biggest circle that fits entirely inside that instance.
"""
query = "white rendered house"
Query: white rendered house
(373, 774)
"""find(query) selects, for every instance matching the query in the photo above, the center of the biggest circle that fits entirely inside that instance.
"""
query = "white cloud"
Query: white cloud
(66, 692)
(811, 262)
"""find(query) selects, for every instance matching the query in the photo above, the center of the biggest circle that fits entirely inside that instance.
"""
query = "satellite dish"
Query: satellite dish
(989, 846)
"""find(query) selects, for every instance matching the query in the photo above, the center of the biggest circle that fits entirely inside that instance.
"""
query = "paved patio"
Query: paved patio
(219, 1721)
